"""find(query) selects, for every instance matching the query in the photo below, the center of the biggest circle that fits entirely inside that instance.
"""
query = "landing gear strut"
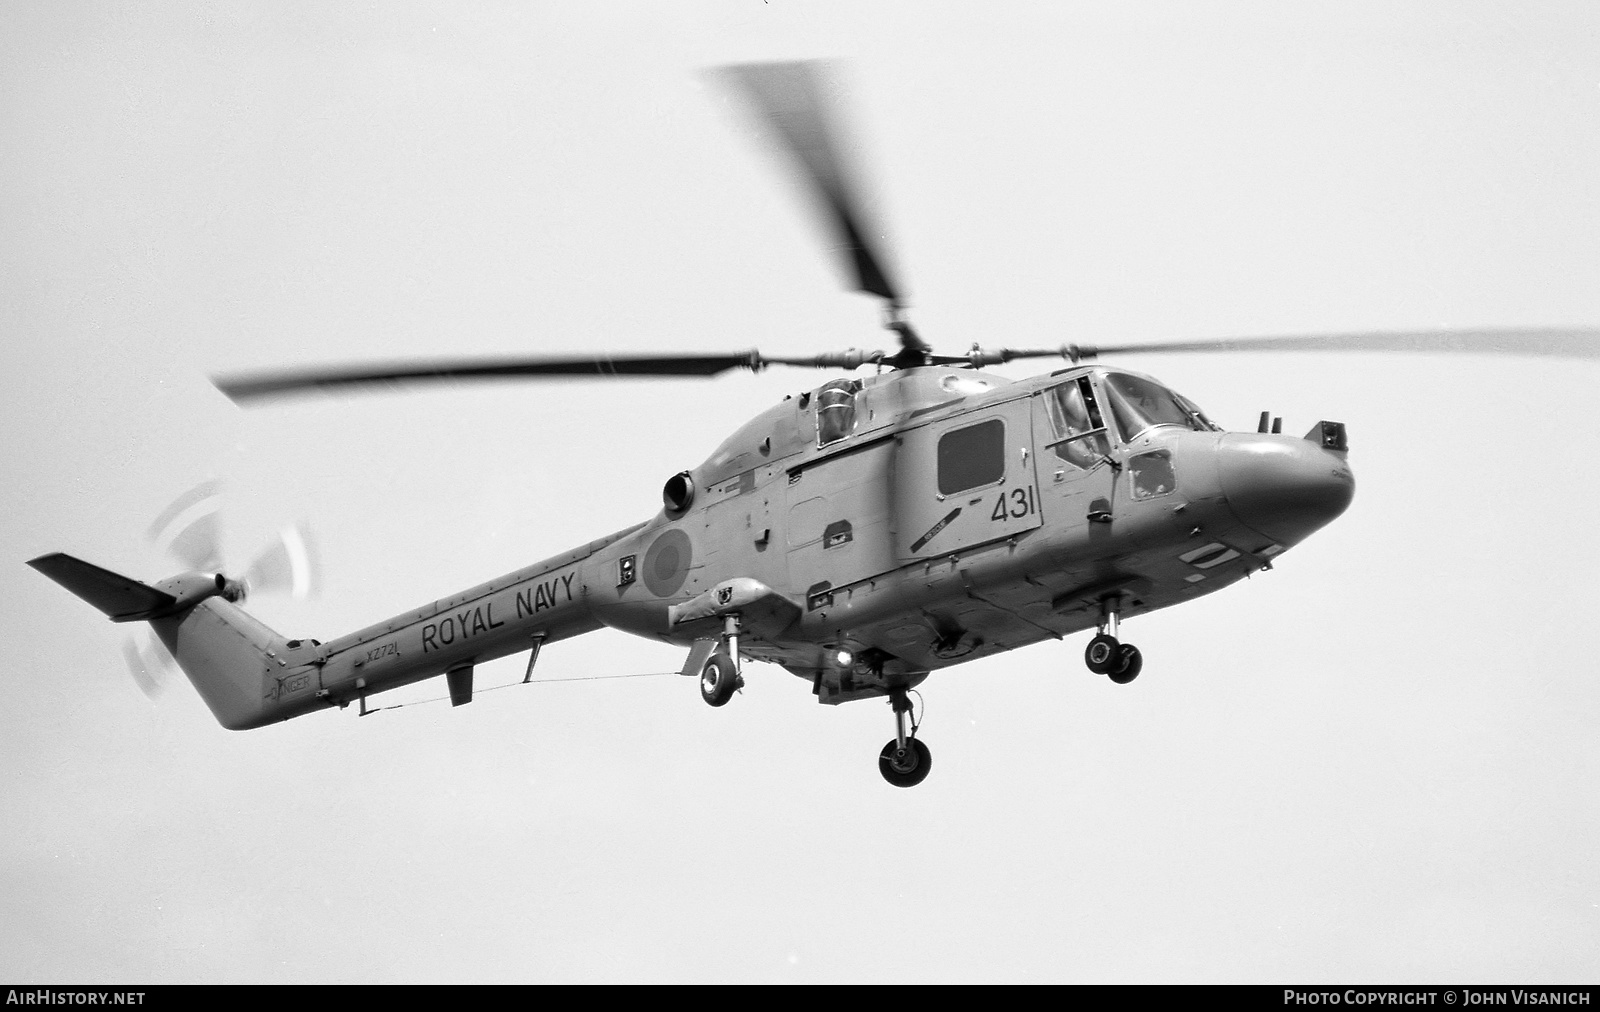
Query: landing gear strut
(1106, 655)
(905, 761)
(720, 677)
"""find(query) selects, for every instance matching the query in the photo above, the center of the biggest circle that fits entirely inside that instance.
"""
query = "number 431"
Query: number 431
(1014, 504)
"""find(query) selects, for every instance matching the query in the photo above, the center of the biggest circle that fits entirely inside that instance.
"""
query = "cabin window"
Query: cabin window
(1080, 432)
(972, 457)
(836, 410)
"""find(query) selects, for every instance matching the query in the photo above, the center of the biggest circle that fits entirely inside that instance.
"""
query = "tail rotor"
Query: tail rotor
(149, 663)
(190, 531)
(287, 566)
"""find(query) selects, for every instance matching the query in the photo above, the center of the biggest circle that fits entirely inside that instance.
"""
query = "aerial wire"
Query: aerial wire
(507, 685)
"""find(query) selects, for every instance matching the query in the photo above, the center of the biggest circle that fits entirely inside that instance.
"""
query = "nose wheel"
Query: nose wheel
(1106, 655)
(904, 761)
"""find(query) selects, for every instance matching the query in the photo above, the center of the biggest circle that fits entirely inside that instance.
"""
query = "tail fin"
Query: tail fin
(237, 664)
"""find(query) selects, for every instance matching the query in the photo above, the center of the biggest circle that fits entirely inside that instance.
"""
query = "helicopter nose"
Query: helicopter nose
(1282, 487)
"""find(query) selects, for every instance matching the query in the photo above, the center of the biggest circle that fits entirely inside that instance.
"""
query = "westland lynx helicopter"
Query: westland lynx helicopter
(861, 535)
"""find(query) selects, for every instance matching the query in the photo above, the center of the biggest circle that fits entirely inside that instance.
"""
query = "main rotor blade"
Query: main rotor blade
(789, 98)
(1554, 342)
(250, 387)
(1550, 342)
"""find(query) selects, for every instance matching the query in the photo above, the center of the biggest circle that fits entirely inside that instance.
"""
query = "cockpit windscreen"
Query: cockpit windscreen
(1139, 404)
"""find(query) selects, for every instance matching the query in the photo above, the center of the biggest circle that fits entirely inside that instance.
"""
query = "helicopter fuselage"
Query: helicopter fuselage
(872, 531)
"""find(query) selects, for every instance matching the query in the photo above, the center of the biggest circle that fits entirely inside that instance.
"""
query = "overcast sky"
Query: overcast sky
(1376, 762)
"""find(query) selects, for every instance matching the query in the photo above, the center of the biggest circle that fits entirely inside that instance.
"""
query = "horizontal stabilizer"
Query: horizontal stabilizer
(121, 598)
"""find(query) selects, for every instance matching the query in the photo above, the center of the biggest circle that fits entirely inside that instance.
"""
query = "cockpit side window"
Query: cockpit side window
(836, 410)
(1139, 404)
(1080, 432)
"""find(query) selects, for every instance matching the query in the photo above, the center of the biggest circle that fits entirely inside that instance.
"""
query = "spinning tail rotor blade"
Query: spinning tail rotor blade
(149, 663)
(289, 565)
(190, 529)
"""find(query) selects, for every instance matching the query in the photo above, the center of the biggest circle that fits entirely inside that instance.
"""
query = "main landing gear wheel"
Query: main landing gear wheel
(1103, 655)
(905, 761)
(1129, 663)
(719, 679)
(905, 767)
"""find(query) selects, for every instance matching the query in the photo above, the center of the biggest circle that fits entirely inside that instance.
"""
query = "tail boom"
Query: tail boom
(544, 603)
(251, 676)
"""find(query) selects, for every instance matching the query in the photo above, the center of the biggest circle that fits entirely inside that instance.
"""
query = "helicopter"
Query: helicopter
(861, 534)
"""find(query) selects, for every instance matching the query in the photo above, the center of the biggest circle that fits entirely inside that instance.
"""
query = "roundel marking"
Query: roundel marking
(666, 562)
